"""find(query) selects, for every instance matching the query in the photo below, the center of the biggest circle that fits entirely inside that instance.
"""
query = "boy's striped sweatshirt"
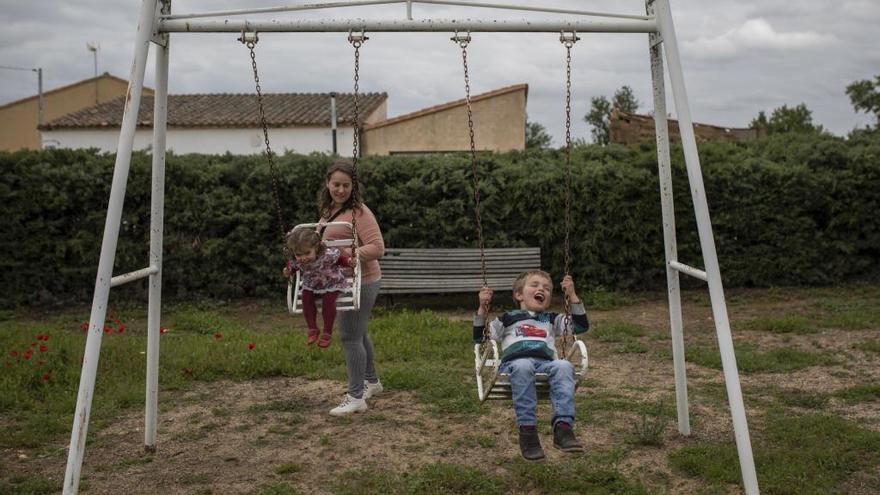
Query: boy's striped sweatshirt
(530, 334)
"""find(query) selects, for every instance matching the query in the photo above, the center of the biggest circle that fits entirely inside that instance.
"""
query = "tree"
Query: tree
(599, 116)
(599, 119)
(865, 96)
(784, 119)
(759, 122)
(537, 137)
(625, 100)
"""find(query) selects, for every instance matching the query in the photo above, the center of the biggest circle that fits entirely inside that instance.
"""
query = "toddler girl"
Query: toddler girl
(322, 275)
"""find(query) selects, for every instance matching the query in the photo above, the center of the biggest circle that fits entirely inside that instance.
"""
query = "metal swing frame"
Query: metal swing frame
(350, 298)
(155, 26)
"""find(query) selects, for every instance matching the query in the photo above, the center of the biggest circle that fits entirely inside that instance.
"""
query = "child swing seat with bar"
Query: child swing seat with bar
(491, 384)
(349, 299)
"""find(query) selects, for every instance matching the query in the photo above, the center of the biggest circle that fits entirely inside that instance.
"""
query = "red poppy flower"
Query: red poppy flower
(13, 353)
(26, 355)
(85, 326)
(218, 335)
(44, 348)
(33, 344)
(120, 329)
(46, 338)
(251, 345)
(108, 329)
(163, 330)
(45, 377)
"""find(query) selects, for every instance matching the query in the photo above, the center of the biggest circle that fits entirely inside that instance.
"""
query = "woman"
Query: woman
(339, 201)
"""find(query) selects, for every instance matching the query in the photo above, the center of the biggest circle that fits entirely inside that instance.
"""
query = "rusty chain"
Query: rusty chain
(356, 40)
(251, 43)
(568, 41)
(462, 41)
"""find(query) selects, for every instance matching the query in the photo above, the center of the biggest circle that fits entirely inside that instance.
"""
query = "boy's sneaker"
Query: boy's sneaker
(564, 439)
(371, 389)
(530, 444)
(349, 405)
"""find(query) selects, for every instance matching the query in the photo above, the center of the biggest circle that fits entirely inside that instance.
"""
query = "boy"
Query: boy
(527, 338)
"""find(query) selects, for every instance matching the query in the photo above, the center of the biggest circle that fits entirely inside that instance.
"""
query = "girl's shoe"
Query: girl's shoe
(371, 389)
(325, 339)
(313, 336)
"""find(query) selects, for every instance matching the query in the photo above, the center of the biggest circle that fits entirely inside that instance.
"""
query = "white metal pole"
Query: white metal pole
(108, 250)
(157, 228)
(666, 201)
(605, 25)
(707, 244)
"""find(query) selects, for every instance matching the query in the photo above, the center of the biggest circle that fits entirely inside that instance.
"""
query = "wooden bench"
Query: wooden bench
(414, 271)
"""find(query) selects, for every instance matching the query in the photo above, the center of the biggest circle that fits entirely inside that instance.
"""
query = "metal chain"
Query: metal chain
(568, 41)
(273, 168)
(356, 40)
(462, 41)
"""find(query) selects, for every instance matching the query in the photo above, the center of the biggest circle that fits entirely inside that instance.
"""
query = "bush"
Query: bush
(786, 210)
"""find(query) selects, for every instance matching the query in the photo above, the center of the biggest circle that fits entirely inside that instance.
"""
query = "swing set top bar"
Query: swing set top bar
(356, 3)
(425, 25)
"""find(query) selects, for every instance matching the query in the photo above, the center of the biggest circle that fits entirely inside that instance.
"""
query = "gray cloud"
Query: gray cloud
(739, 57)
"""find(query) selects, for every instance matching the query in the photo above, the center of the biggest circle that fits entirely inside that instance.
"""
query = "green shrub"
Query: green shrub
(786, 210)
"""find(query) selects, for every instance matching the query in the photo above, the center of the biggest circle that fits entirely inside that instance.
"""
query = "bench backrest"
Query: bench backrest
(406, 271)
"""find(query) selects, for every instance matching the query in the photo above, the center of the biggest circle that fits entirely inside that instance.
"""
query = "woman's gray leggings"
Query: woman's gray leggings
(356, 343)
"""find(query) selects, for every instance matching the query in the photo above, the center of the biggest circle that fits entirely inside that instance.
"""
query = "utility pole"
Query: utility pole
(333, 118)
(93, 46)
(39, 71)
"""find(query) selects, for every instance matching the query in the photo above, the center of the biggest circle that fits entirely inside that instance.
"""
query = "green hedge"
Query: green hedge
(787, 210)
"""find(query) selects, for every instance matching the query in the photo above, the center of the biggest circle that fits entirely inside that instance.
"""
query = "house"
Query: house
(499, 120)
(225, 123)
(632, 128)
(300, 122)
(18, 119)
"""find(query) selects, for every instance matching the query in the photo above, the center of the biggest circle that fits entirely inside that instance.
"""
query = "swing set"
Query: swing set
(155, 26)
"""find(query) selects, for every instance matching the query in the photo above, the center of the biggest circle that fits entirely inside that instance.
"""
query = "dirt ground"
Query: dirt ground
(232, 437)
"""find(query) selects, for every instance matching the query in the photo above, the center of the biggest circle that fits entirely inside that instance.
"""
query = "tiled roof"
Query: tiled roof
(228, 110)
(448, 105)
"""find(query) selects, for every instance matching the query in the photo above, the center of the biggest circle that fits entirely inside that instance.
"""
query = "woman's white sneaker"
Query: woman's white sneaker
(349, 405)
(371, 389)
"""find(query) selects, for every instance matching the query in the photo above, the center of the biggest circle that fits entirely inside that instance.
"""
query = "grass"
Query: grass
(786, 324)
(579, 474)
(805, 455)
(750, 360)
(649, 429)
(429, 355)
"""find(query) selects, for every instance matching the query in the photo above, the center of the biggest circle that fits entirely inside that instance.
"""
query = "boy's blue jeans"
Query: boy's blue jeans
(560, 378)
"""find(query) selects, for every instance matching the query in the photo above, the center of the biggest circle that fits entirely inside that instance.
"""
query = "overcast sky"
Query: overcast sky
(738, 56)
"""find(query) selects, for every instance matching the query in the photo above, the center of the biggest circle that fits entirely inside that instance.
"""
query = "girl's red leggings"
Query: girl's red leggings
(328, 309)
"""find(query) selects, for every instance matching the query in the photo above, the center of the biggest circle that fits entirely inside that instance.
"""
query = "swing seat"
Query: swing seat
(349, 299)
(492, 385)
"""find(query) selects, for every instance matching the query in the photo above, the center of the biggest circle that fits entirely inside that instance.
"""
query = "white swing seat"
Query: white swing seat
(492, 385)
(349, 299)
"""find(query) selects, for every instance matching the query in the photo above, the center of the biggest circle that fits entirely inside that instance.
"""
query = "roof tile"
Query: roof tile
(228, 110)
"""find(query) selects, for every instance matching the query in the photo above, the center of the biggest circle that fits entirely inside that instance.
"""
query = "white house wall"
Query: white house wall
(210, 140)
